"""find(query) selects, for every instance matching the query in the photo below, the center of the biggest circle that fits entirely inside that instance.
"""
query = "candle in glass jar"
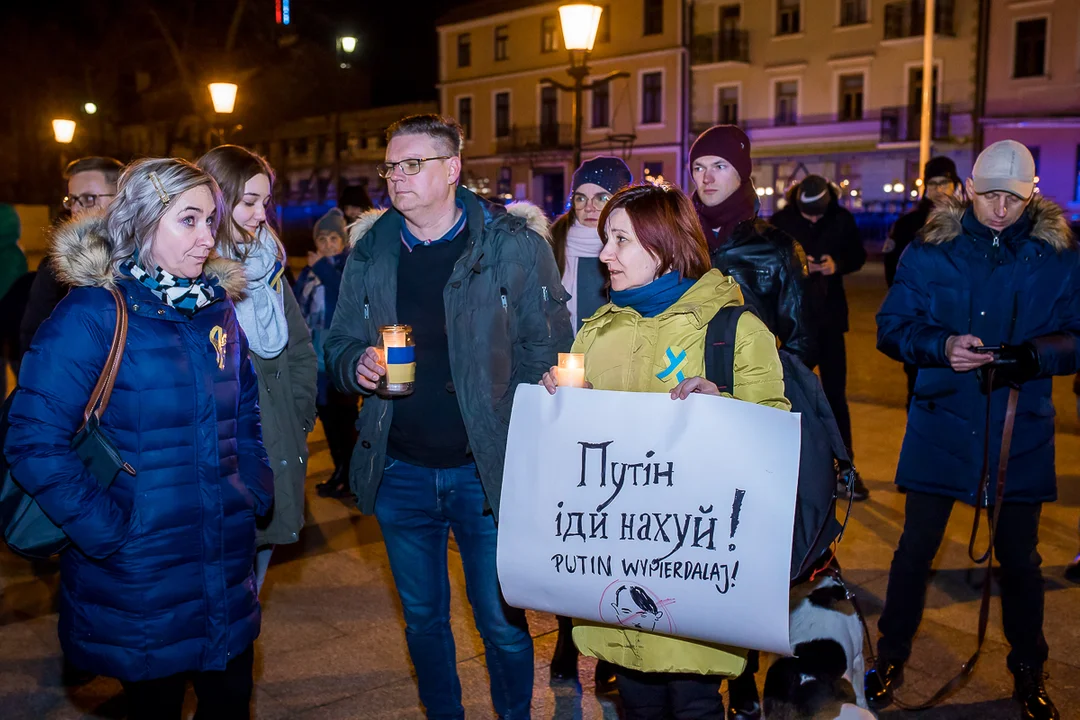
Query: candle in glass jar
(571, 370)
(398, 356)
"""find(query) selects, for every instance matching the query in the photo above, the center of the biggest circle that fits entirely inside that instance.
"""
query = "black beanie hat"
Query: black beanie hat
(813, 196)
(941, 166)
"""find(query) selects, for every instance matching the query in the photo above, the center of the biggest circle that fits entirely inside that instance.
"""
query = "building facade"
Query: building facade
(519, 131)
(1033, 89)
(834, 87)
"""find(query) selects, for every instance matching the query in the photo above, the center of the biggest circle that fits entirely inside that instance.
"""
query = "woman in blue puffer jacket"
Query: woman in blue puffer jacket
(157, 586)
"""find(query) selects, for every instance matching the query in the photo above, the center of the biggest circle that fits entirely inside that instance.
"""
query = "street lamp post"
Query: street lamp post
(580, 21)
(223, 97)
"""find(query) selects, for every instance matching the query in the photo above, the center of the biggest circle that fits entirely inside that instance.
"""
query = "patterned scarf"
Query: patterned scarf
(187, 295)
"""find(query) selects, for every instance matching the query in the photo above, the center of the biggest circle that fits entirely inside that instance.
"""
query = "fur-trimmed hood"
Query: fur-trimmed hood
(1048, 223)
(534, 217)
(83, 256)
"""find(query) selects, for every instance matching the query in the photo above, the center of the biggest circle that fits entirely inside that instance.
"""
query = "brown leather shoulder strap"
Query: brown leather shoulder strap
(999, 497)
(99, 398)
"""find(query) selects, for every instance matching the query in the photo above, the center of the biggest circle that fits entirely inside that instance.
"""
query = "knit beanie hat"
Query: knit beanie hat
(356, 196)
(728, 142)
(941, 166)
(813, 196)
(610, 173)
(333, 221)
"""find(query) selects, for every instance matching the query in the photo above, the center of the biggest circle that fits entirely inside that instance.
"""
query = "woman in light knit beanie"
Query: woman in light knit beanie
(278, 338)
(316, 290)
(574, 238)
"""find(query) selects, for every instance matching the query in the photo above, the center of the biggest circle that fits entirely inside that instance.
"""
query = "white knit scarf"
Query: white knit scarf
(581, 242)
(262, 311)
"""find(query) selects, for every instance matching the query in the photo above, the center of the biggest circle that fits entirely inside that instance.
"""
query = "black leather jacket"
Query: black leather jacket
(770, 267)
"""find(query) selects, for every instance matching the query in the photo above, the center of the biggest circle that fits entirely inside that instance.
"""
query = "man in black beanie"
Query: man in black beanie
(828, 234)
(940, 181)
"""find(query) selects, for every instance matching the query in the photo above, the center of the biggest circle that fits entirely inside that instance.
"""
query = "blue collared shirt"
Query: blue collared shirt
(411, 241)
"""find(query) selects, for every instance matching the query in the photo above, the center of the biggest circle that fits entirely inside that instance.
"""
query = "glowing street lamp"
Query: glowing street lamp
(223, 95)
(89, 108)
(347, 44)
(63, 130)
(580, 23)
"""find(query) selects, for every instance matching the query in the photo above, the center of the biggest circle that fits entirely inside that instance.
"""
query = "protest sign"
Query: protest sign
(633, 509)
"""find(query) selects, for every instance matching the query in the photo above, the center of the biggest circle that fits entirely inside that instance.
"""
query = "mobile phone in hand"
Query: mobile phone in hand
(988, 349)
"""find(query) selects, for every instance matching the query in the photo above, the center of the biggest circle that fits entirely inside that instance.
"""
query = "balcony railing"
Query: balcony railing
(907, 18)
(536, 138)
(724, 46)
(889, 125)
(903, 123)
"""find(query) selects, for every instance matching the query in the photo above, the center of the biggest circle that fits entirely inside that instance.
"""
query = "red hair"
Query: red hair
(666, 225)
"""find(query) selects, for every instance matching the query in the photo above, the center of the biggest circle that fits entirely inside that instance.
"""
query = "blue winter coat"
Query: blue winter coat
(159, 578)
(1020, 286)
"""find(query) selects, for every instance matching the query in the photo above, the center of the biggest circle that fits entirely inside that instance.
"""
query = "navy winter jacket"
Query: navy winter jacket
(1020, 285)
(159, 578)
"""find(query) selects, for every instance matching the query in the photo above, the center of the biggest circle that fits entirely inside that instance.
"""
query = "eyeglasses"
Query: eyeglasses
(409, 166)
(599, 200)
(87, 200)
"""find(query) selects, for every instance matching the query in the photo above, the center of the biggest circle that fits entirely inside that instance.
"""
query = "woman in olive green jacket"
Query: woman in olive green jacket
(278, 338)
(663, 295)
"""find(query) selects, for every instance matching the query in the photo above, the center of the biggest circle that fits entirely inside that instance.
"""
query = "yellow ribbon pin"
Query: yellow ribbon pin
(218, 338)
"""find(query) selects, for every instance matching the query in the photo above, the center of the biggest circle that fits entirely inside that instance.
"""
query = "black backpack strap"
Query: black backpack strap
(720, 347)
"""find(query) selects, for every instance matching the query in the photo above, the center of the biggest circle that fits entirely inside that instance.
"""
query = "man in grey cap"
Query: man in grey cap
(993, 283)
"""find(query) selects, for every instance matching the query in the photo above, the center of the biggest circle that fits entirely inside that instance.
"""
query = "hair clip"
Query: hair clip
(162, 195)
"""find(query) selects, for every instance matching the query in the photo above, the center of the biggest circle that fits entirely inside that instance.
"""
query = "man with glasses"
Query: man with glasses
(91, 186)
(942, 183)
(478, 284)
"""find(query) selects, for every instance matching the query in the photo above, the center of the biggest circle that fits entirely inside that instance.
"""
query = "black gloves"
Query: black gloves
(1013, 366)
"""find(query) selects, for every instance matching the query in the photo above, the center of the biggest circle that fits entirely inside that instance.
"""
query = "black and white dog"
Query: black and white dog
(825, 676)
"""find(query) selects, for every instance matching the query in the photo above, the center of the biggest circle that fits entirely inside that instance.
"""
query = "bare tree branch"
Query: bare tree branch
(234, 27)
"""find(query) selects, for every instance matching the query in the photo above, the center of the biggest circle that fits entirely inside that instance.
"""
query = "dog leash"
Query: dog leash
(987, 557)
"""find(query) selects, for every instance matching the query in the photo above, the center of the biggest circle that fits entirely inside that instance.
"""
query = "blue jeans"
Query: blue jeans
(416, 508)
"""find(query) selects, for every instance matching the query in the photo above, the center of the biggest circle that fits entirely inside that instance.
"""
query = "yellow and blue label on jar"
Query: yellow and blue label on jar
(400, 365)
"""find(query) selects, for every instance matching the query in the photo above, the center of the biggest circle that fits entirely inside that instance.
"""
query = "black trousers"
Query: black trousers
(659, 696)
(338, 417)
(223, 695)
(832, 365)
(1016, 549)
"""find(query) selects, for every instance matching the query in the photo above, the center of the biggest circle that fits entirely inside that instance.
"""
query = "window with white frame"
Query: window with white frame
(549, 34)
(851, 97)
(502, 114)
(786, 108)
(854, 12)
(727, 105)
(464, 50)
(1029, 59)
(601, 106)
(652, 98)
(502, 42)
(788, 17)
(603, 33)
(464, 115)
(654, 17)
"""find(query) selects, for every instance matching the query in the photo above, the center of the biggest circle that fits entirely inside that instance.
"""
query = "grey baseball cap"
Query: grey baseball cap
(1006, 165)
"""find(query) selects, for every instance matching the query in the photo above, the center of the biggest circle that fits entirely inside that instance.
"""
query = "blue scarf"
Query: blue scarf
(656, 297)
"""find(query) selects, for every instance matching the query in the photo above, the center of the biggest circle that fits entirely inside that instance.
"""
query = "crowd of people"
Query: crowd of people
(226, 367)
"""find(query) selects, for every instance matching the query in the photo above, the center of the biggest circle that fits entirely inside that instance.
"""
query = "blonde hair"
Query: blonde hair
(143, 194)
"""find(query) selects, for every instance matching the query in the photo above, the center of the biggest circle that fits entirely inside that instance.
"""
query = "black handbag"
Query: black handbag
(27, 530)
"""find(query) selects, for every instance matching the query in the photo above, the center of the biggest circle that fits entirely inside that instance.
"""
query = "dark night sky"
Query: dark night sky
(67, 42)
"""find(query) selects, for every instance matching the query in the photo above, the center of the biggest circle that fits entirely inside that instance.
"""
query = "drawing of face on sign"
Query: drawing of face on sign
(634, 606)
